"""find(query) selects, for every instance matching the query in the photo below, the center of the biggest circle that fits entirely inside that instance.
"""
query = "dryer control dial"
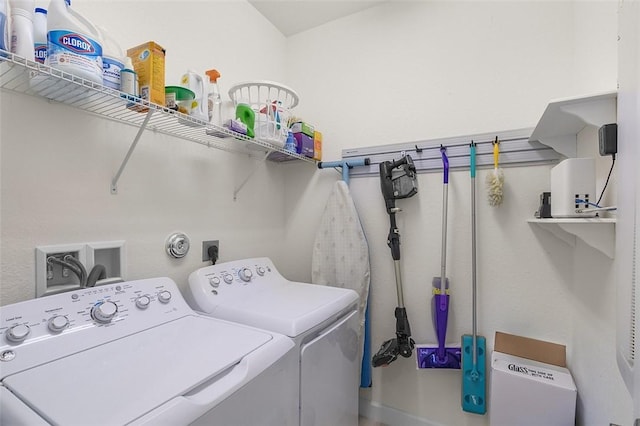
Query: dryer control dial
(18, 333)
(228, 278)
(104, 312)
(260, 270)
(143, 302)
(245, 274)
(58, 323)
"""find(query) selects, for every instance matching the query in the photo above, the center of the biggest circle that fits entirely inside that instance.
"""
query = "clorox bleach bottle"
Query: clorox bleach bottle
(22, 27)
(40, 34)
(5, 40)
(112, 60)
(74, 42)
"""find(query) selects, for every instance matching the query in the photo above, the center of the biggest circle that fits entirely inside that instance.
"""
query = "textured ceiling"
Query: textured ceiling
(292, 17)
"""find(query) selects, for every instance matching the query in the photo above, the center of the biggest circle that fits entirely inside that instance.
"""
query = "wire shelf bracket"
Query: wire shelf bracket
(143, 126)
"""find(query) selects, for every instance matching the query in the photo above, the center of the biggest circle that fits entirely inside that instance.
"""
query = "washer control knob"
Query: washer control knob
(104, 312)
(18, 333)
(58, 323)
(260, 270)
(245, 274)
(228, 278)
(142, 302)
(214, 282)
(164, 296)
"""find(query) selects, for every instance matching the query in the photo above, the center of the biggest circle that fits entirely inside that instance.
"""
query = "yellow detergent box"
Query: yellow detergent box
(148, 62)
(317, 145)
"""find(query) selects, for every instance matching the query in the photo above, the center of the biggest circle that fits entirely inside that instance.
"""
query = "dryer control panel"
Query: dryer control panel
(237, 273)
(37, 330)
(232, 281)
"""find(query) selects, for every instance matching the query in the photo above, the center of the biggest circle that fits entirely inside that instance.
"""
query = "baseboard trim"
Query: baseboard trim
(390, 416)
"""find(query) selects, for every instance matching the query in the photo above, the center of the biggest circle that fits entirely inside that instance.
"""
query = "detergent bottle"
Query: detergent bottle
(5, 36)
(40, 34)
(246, 115)
(74, 43)
(112, 60)
(194, 82)
(22, 27)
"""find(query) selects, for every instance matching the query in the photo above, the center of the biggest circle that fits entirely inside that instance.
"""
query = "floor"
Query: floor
(363, 421)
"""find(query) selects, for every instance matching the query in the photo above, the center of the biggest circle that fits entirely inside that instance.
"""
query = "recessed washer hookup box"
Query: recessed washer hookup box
(530, 384)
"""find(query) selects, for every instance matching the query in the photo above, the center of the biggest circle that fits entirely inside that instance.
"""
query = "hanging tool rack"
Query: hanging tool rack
(515, 149)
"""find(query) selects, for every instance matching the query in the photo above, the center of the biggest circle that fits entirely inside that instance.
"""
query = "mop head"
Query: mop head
(440, 355)
(429, 356)
(495, 183)
(474, 389)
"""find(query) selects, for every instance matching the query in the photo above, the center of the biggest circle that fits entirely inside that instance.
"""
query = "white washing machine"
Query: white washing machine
(136, 353)
(322, 320)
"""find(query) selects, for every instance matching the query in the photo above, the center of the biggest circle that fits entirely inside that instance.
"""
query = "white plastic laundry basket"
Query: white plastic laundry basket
(272, 104)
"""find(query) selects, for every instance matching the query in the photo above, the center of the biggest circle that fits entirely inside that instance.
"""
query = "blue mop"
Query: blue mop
(473, 347)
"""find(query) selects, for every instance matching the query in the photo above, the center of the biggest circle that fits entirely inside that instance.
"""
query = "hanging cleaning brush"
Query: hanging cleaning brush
(495, 179)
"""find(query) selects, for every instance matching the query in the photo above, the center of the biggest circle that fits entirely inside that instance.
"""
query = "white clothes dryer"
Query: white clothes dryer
(135, 353)
(322, 321)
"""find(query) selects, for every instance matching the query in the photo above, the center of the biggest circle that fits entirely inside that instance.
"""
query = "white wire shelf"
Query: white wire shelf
(20, 75)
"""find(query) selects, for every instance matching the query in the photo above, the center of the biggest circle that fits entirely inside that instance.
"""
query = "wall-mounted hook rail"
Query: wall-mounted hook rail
(515, 149)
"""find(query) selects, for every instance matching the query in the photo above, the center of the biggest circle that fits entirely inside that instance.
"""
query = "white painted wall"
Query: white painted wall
(402, 71)
(626, 225)
(408, 71)
(57, 163)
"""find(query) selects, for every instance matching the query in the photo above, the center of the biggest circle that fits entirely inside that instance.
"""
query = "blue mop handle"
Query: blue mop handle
(472, 161)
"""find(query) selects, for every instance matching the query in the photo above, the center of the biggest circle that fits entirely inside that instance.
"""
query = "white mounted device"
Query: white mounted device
(573, 187)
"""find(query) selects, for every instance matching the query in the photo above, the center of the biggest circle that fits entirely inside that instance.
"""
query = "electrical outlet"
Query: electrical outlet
(205, 249)
(53, 277)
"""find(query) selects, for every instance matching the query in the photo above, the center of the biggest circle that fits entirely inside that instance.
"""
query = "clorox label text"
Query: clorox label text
(77, 43)
(40, 52)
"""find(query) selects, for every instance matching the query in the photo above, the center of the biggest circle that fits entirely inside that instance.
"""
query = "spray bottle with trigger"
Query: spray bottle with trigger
(214, 101)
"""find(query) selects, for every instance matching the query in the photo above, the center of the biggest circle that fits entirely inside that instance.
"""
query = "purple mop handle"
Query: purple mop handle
(443, 302)
(445, 163)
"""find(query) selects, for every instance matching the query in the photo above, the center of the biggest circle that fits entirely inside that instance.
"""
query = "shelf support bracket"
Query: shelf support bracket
(143, 126)
(236, 191)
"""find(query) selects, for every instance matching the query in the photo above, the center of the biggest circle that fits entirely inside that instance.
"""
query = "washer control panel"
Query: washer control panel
(37, 330)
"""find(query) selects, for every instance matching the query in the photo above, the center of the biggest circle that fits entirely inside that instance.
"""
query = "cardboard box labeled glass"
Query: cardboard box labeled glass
(530, 384)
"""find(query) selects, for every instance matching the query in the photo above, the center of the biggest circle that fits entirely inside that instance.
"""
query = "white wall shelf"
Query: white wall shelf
(20, 75)
(599, 233)
(563, 119)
